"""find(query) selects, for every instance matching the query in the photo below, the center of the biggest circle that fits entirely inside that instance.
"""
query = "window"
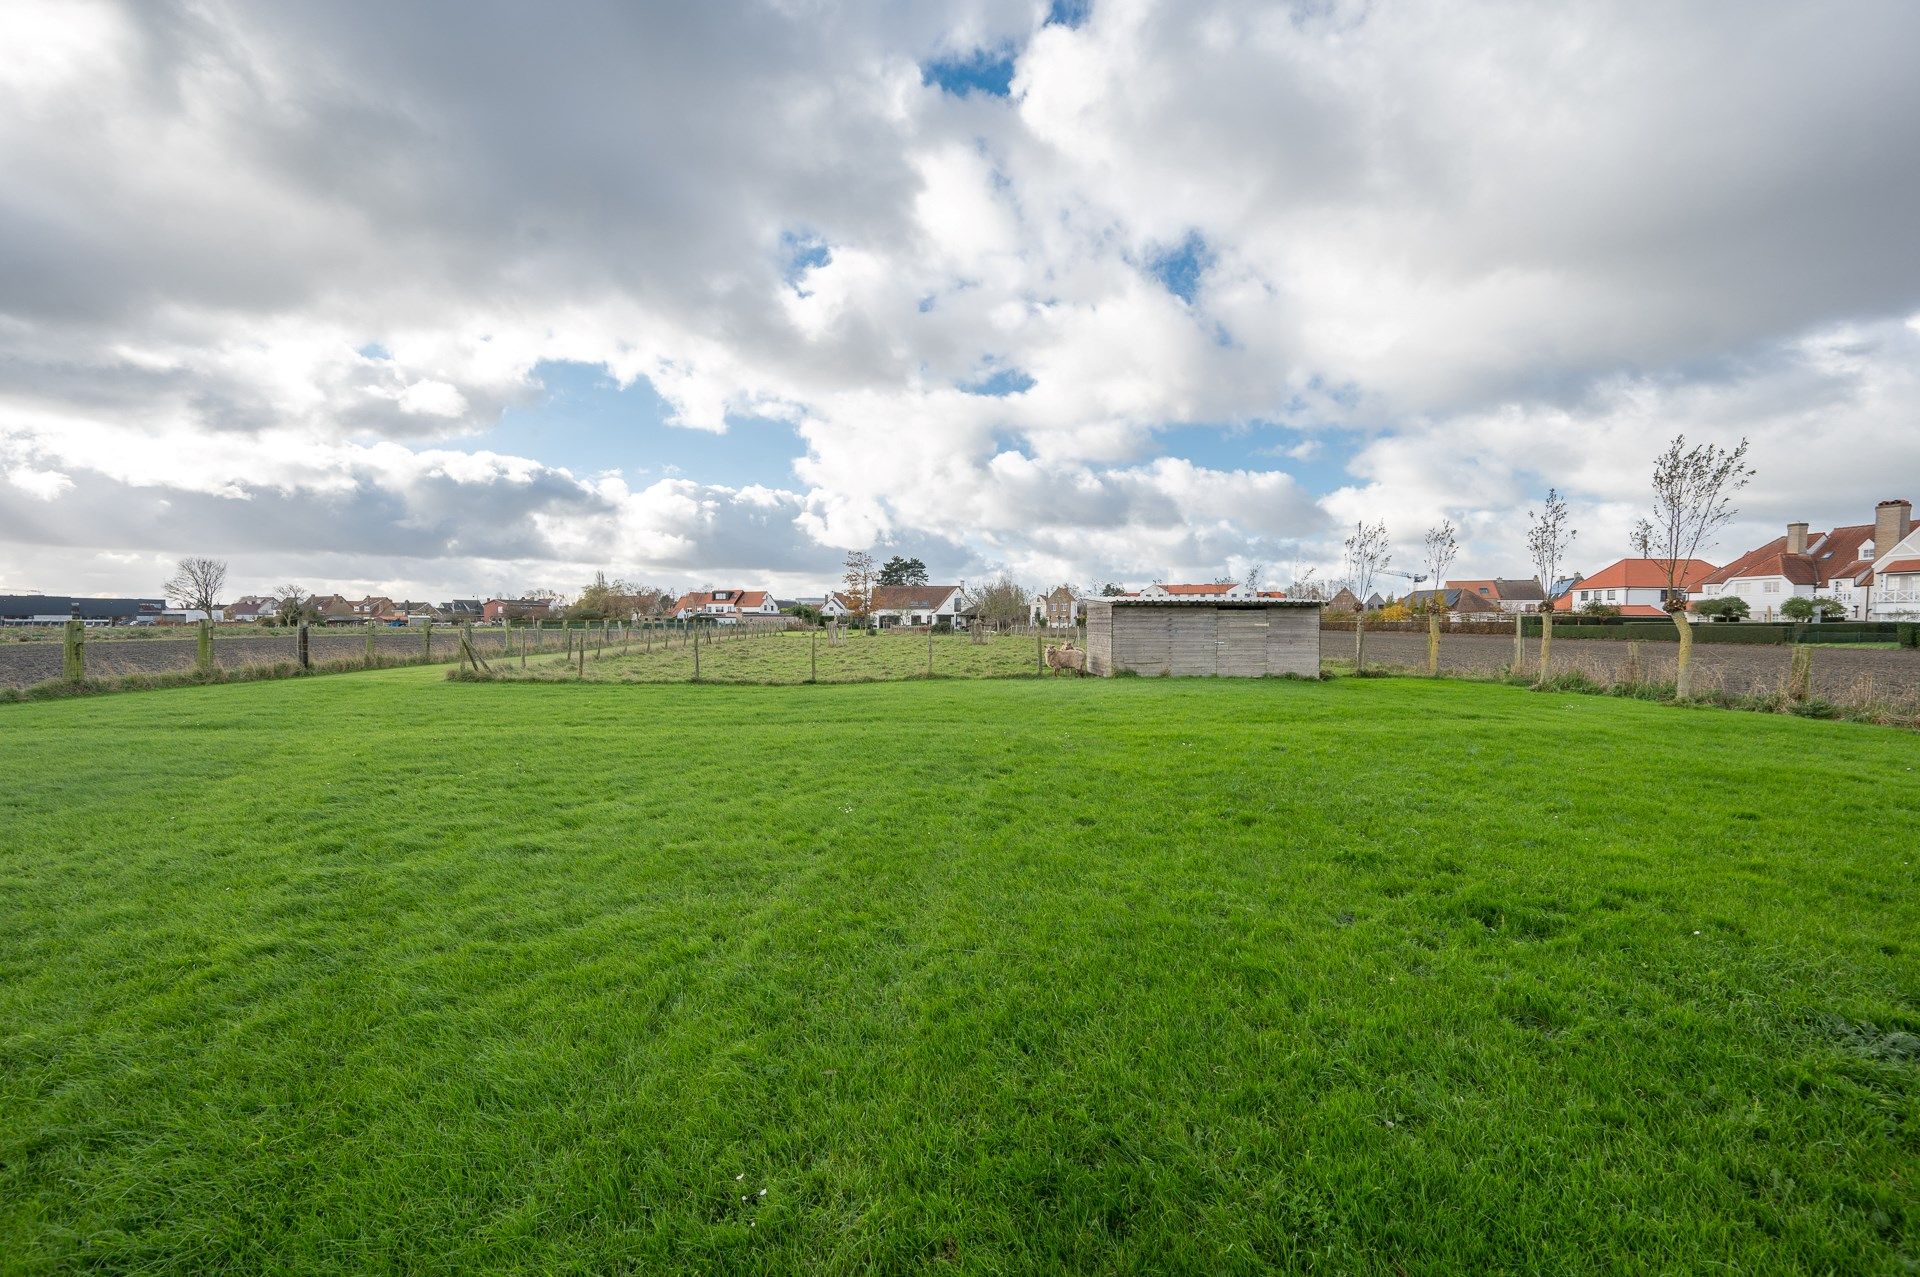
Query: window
(1772, 587)
(1612, 595)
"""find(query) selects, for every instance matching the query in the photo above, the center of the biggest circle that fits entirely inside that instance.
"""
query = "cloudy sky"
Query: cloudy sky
(465, 298)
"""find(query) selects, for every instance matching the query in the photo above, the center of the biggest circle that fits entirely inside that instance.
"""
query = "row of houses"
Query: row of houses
(378, 609)
(1871, 570)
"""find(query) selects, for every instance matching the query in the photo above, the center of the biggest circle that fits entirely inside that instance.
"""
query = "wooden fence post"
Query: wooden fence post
(304, 657)
(73, 650)
(203, 649)
(1039, 652)
(1519, 645)
(929, 648)
(696, 655)
(813, 658)
(426, 646)
(370, 625)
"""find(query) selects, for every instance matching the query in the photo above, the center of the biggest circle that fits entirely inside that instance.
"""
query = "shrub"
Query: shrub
(1726, 608)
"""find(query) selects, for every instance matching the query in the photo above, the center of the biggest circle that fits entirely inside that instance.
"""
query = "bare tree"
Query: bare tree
(1549, 537)
(1440, 548)
(858, 582)
(1307, 585)
(196, 584)
(292, 604)
(1252, 580)
(1000, 602)
(1366, 553)
(1692, 500)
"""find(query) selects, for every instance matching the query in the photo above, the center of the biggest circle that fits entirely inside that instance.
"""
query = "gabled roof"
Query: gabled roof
(911, 598)
(1507, 589)
(1830, 556)
(1453, 600)
(695, 600)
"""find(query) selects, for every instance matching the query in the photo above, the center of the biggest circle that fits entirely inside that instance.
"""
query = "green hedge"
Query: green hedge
(1747, 632)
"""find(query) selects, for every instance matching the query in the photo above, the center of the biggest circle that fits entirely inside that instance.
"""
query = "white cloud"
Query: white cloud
(263, 258)
(43, 484)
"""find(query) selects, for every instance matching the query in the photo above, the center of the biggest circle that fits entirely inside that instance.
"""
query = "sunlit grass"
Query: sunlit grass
(383, 972)
(795, 657)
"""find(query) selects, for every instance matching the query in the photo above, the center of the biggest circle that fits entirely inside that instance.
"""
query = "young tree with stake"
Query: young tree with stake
(1548, 539)
(1692, 500)
(1366, 553)
(1441, 547)
(859, 581)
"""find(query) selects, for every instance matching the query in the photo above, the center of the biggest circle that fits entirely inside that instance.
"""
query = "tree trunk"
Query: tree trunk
(1519, 646)
(1433, 645)
(1800, 680)
(1359, 642)
(1683, 678)
(1546, 643)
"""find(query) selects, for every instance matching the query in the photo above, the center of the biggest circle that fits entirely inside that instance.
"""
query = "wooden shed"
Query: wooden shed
(1186, 638)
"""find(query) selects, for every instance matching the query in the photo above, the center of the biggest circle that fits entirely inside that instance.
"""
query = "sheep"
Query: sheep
(1066, 657)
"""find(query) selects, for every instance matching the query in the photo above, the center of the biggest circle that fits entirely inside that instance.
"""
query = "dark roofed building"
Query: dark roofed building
(56, 609)
(1455, 602)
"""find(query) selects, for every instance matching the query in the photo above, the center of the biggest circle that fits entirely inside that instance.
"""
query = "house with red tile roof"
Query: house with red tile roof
(1455, 603)
(496, 610)
(1638, 587)
(1211, 590)
(1507, 594)
(1843, 565)
(727, 607)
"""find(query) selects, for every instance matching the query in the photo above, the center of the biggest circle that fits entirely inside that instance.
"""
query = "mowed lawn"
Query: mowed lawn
(386, 972)
(797, 657)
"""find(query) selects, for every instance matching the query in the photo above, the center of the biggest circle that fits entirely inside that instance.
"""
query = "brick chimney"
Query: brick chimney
(1892, 520)
(1796, 538)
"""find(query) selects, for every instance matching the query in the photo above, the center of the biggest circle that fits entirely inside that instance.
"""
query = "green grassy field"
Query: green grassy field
(796, 657)
(387, 972)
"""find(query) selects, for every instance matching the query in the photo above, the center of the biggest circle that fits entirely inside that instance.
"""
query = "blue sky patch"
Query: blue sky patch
(988, 71)
(587, 423)
(1069, 13)
(803, 253)
(1002, 381)
(1180, 269)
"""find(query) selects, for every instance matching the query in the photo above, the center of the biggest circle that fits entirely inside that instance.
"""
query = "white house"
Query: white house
(726, 607)
(1891, 591)
(935, 605)
(1845, 565)
(1637, 587)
